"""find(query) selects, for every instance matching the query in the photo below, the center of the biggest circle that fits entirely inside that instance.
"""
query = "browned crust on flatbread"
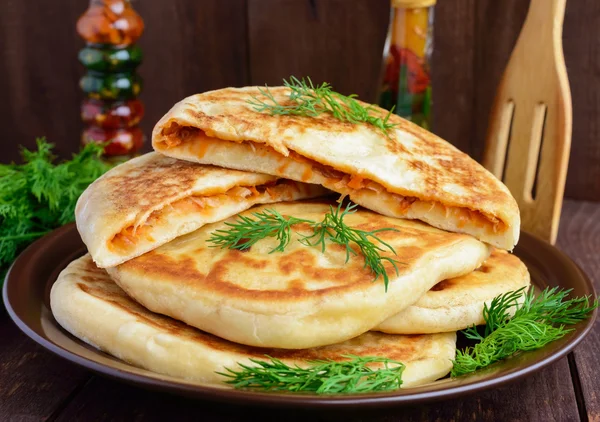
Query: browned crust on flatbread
(96, 282)
(447, 160)
(296, 264)
(152, 199)
(499, 265)
(437, 166)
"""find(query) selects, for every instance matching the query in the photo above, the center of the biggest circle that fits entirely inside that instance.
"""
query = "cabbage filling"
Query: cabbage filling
(343, 183)
(127, 238)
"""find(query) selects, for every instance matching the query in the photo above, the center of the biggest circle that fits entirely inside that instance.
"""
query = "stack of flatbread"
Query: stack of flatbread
(154, 291)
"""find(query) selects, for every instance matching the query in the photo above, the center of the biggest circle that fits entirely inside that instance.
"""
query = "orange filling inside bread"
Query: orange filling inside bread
(127, 238)
(336, 180)
(346, 183)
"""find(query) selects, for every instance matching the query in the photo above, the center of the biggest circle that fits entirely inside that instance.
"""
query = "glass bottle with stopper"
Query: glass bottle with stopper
(111, 111)
(406, 82)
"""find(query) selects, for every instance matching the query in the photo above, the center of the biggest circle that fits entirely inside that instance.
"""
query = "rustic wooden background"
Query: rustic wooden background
(192, 46)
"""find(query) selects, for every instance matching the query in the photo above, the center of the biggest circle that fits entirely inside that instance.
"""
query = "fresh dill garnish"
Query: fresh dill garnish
(307, 99)
(39, 196)
(353, 376)
(334, 229)
(246, 231)
(538, 321)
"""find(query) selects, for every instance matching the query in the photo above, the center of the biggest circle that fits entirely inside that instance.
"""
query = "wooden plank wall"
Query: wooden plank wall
(192, 46)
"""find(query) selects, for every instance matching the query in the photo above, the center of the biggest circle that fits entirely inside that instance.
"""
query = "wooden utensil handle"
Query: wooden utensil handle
(529, 135)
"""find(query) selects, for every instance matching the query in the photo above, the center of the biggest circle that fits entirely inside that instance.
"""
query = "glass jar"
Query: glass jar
(406, 82)
(111, 110)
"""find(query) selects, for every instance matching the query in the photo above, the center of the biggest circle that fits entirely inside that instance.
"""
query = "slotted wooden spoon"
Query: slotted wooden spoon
(532, 111)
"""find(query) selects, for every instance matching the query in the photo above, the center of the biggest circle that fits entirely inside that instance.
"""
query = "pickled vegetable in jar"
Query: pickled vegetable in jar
(110, 59)
(112, 115)
(111, 86)
(110, 22)
(120, 141)
(111, 111)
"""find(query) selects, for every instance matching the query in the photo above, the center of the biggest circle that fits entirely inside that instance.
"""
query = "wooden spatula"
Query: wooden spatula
(532, 111)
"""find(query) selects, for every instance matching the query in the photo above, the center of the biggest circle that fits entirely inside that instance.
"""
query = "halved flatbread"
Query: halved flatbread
(301, 297)
(88, 304)
(406, 173)
(150, 200)
(457, 303)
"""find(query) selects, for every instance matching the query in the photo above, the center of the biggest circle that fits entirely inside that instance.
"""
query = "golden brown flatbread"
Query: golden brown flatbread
(457, 303)
(88, 304)
(150, 200)
(301, 297)
(406, 173)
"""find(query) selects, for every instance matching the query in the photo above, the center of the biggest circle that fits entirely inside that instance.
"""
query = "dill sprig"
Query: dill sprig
(353, 376)
(307, 99)
(538, 321)
(334, 229)
(39, 195)
(246, 231)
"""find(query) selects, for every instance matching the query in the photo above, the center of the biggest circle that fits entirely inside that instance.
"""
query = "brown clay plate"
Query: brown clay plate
(26, 295)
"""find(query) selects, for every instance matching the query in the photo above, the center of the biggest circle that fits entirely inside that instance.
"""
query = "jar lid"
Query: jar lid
(413, 4)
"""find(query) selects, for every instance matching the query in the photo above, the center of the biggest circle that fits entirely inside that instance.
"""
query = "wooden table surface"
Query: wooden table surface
(35, 385)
